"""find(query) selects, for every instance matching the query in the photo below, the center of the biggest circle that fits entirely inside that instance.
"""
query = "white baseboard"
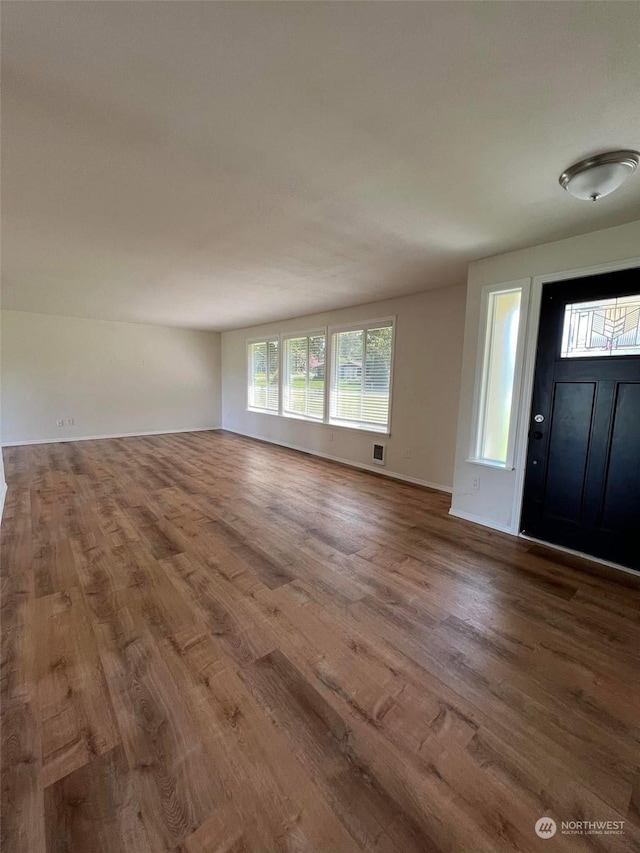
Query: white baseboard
(3, 494)
(112, 435)
(374, 469)
(478, 519)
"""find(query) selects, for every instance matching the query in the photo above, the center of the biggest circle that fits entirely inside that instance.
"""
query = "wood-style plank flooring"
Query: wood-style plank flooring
(211, 644)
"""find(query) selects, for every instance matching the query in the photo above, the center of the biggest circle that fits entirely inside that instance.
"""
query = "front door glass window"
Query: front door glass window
(602, 327)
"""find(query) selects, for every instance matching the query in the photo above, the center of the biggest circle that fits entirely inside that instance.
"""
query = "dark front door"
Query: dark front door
(582, 484)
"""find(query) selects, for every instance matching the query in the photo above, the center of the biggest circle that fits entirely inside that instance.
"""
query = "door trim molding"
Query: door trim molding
(528, 369)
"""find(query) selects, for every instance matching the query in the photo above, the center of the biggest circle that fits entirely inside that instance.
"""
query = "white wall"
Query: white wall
(111, 378)
(496, 503)
(428, 356)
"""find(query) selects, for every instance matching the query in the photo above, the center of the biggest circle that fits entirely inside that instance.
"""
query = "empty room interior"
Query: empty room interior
(320, 427)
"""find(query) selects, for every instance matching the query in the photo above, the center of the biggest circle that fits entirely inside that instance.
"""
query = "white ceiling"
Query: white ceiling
(214, 165)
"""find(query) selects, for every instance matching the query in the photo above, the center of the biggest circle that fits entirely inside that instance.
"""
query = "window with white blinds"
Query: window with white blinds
(264, 369)
(303, 375)
(360, 390)
(339, 376)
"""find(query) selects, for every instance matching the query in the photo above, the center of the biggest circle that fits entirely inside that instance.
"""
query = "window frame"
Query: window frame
(481, 375)
(381, 322)
(284, 337)
(327, 331)
(263, 339)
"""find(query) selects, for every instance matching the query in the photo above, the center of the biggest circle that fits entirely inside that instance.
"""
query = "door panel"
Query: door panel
(622, 493)
(582, 480)
(568, 449)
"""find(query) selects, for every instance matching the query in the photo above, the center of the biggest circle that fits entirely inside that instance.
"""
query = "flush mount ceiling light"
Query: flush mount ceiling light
(600, 175)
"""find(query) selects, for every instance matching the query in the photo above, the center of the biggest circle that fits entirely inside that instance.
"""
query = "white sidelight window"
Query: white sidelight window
(264, 369)
(500, 345)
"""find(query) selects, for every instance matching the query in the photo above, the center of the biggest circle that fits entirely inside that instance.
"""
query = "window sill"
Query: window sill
(293, 416)
(487, 463)
(356, 427)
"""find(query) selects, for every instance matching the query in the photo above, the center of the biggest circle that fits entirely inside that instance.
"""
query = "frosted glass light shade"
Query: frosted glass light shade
(599, 176)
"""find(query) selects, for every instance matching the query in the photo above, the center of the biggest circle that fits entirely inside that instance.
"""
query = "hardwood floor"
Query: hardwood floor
(211, 644)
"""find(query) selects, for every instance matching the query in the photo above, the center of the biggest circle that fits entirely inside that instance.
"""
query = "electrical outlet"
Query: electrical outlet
(407, 454)
(330, 436)
(59, 422)
(475, 483)
(69, 421)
